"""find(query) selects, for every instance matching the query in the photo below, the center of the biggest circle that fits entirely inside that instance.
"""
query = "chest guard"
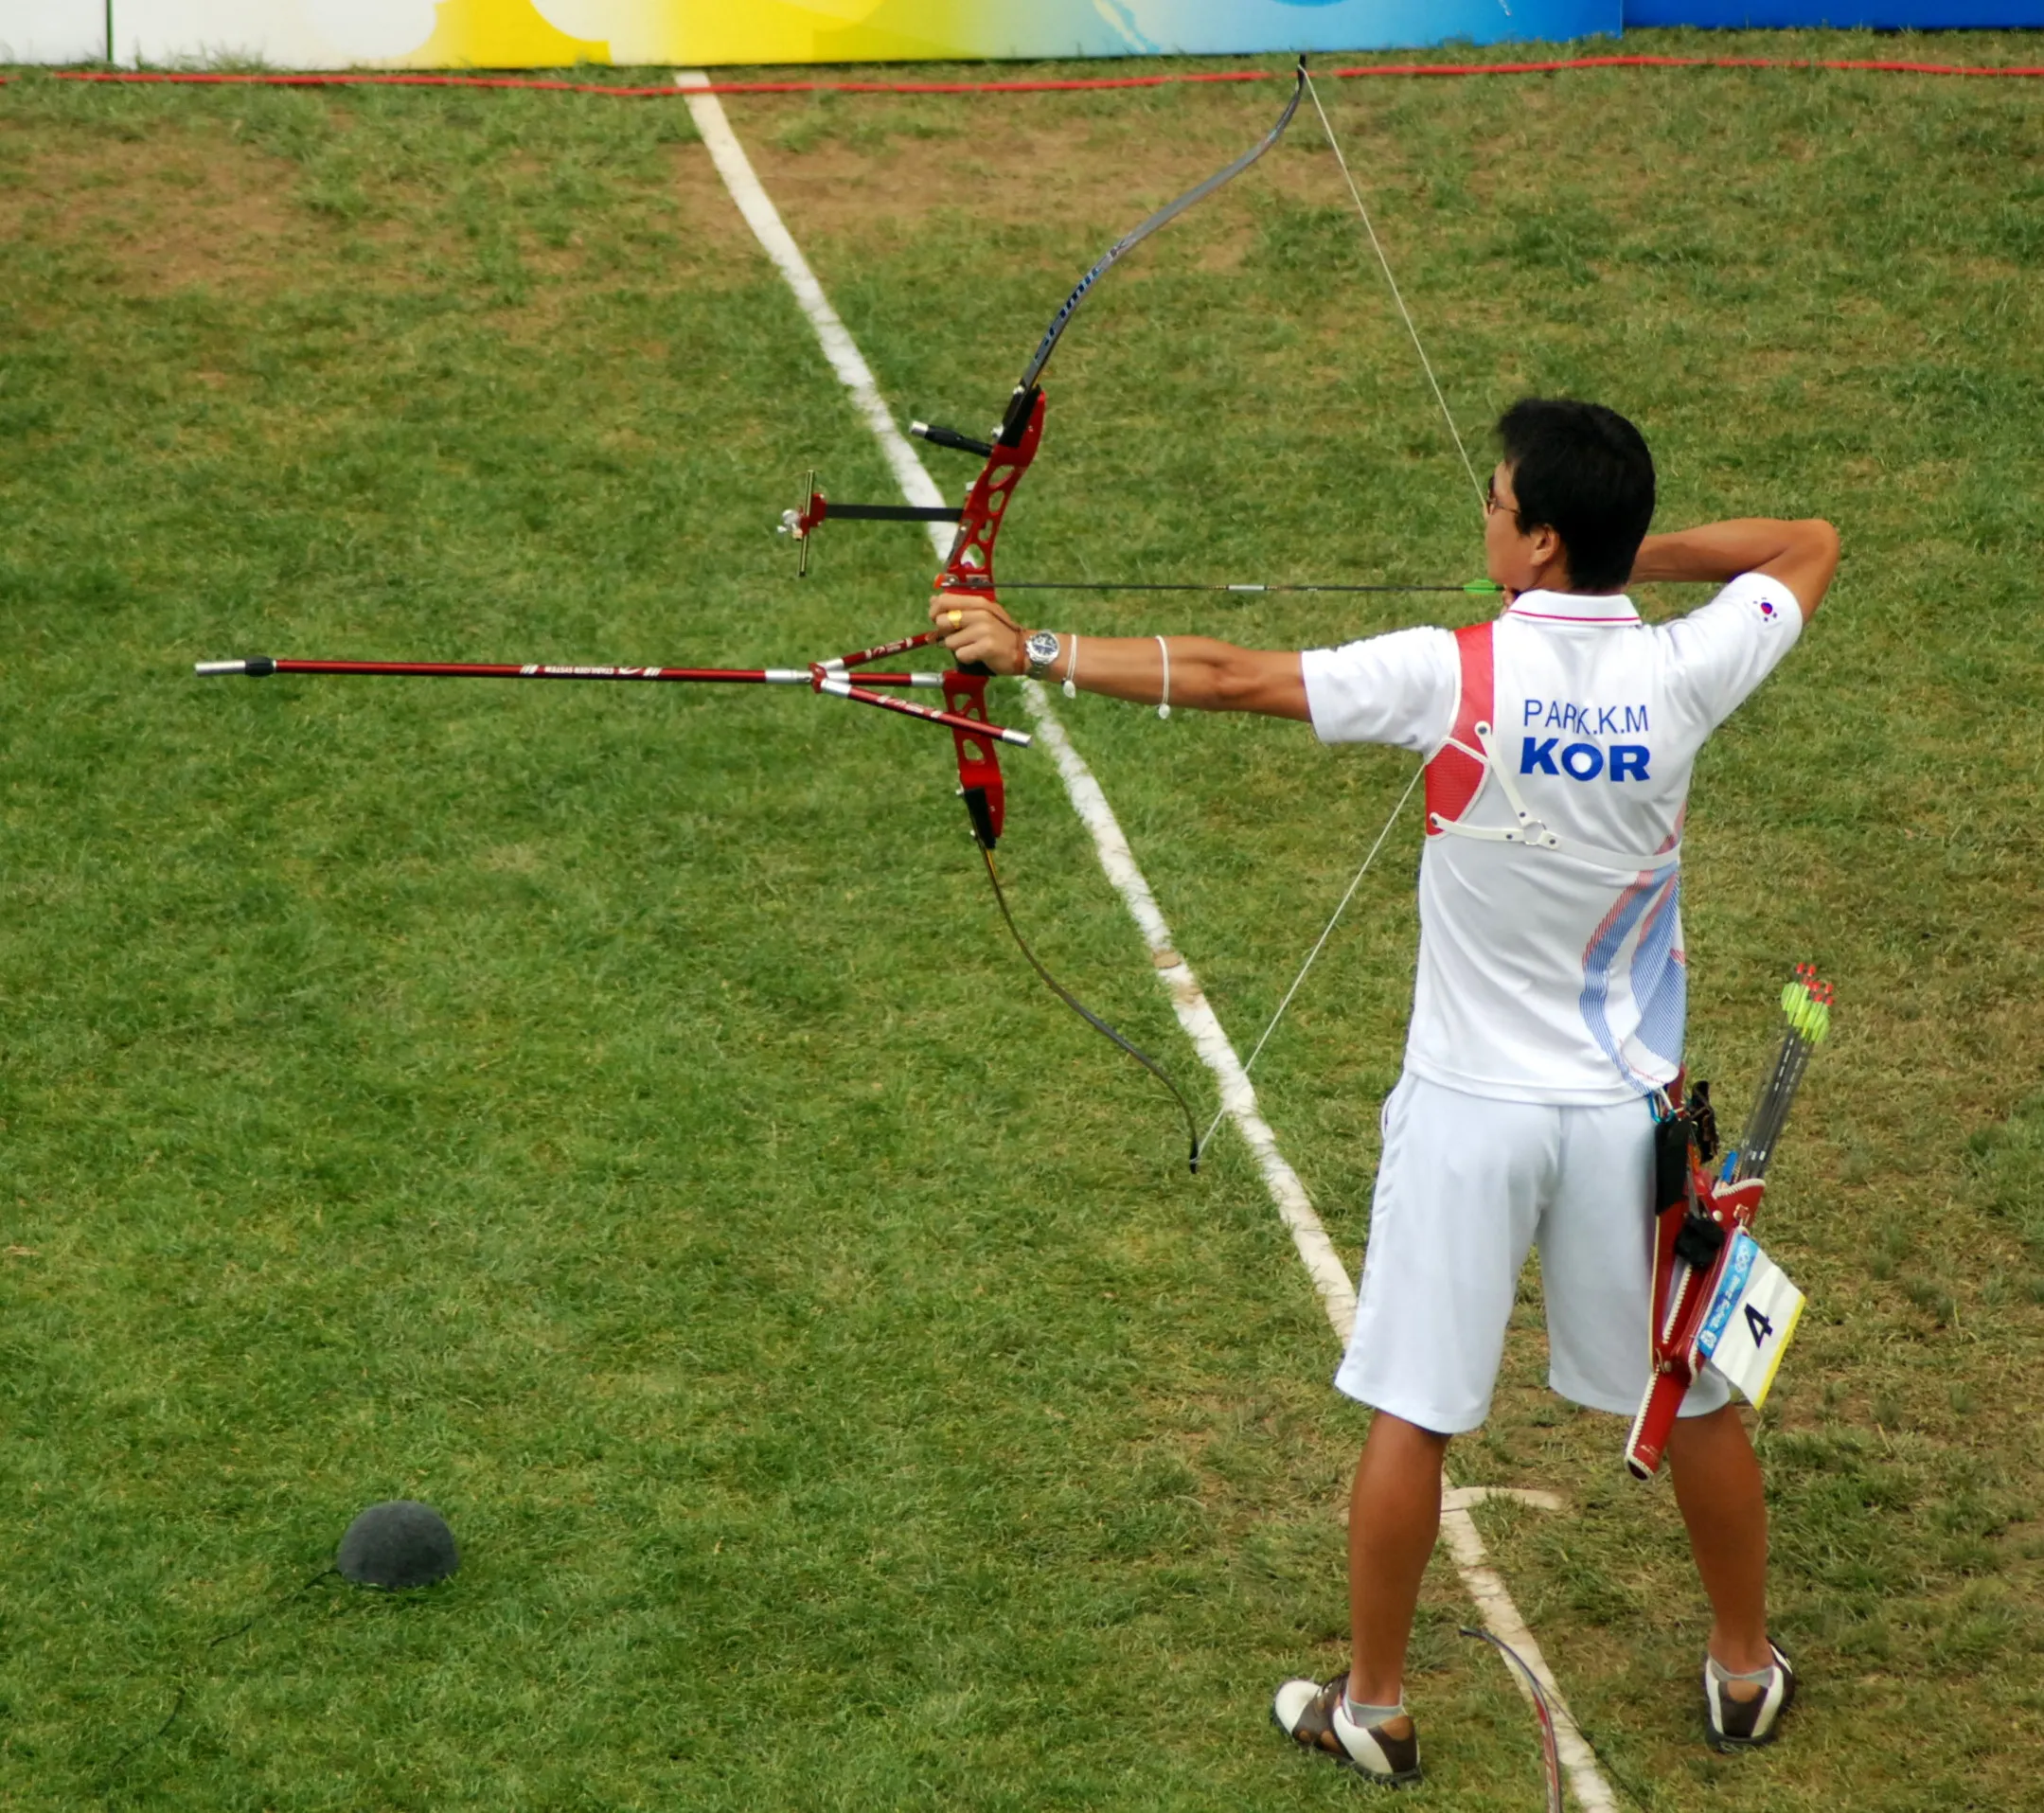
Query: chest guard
(1456, 773)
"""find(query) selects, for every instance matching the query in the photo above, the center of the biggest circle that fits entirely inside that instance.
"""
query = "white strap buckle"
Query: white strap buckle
(1533, 831)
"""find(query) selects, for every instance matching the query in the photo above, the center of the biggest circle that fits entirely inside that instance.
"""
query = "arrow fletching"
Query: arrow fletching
(1807, 1010)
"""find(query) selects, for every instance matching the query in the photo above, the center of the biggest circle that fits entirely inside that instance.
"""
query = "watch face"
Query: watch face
(1042, 649)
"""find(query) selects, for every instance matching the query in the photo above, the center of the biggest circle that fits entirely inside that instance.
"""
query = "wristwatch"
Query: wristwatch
(1042, 649)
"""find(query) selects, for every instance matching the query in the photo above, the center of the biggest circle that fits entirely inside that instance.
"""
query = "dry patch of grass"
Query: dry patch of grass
(186, 209)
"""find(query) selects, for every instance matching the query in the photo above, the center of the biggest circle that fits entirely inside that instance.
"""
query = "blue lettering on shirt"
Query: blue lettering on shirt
(1584, 760)
(1560, 714)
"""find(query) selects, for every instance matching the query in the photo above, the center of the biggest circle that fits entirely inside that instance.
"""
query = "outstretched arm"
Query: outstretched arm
(1802, 555)
(1205, 674)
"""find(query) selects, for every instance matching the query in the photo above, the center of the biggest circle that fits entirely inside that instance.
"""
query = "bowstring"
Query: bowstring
(1319, 945)
(1468, 466)
(1405, 314)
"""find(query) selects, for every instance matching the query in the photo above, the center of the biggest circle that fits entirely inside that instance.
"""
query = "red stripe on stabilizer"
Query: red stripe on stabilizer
(1453, 776)
(1047, 86)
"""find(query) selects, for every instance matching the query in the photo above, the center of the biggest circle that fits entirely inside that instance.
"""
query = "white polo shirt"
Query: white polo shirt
(1543, 977)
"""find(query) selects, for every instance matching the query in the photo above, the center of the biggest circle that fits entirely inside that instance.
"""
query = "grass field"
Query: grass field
(615, 1116)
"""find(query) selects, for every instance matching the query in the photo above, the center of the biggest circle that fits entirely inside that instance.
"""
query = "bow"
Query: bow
(967, 572)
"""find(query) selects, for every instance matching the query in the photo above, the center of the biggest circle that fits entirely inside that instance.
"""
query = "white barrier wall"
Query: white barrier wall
(286, 34)
(52, 31)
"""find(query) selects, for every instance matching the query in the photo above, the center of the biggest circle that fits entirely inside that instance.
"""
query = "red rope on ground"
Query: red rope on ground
(340, 81)
(1685, 62)
(350, 79)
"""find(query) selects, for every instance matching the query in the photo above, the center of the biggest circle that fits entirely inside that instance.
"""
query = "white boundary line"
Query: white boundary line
(1202, 1026)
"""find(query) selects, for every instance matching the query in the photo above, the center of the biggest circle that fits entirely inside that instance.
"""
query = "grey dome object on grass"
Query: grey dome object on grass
(401, 1543)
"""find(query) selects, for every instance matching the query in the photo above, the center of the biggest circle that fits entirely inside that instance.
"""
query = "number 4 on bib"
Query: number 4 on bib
(1752, 1320)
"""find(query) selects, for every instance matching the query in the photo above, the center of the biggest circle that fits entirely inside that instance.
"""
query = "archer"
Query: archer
(1547, 1006)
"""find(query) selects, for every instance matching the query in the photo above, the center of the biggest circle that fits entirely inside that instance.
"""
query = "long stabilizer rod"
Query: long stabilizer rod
(262, 667)
(821, 677)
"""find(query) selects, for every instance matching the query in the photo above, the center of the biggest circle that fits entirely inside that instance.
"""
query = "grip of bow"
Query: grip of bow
(969, 570)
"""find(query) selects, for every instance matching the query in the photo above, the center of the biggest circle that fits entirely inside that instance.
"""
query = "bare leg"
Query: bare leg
(1394, 1516)
(1719, 1487)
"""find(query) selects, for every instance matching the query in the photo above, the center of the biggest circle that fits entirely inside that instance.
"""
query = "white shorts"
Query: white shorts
(1466, 1186)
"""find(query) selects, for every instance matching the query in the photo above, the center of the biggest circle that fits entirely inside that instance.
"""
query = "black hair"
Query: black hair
(1584, 471)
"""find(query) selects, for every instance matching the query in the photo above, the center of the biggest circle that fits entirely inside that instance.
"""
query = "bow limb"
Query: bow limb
(1135, 236)
(970, 567)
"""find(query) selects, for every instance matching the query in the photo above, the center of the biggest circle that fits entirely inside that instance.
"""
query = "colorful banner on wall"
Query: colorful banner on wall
(541, 34)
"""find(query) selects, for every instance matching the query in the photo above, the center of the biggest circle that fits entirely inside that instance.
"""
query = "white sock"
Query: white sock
(1720, 1674)
(1369, 1718)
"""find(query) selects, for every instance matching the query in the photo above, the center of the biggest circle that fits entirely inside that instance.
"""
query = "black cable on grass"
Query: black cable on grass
(396, 1544)
(182, 1695)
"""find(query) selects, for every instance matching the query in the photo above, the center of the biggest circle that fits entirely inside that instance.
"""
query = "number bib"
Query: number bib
(1752, 1320)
